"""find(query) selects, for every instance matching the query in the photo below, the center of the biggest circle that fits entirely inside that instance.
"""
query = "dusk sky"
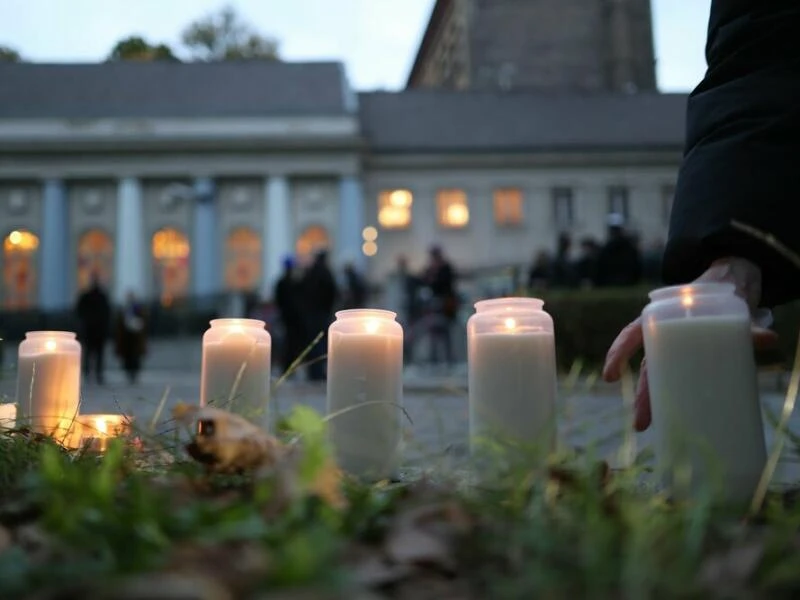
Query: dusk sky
(376, 39)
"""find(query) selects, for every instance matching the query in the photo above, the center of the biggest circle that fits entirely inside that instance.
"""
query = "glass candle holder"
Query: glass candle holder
(8, 416)
(709, 433)
(236, 368)
(95, 431)
(512, 379)
(365, 391)
(48, 382)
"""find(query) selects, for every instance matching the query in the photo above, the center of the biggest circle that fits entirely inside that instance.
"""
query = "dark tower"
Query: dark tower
(586, 45)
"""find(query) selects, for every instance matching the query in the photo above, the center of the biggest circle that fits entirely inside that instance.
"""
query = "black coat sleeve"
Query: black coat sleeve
(742, 155)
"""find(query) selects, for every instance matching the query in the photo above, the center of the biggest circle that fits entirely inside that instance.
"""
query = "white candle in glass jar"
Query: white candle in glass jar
(703, 384)
(512, 376)
(48, 382)
(8, 415)
(236, 368)
(365, 389)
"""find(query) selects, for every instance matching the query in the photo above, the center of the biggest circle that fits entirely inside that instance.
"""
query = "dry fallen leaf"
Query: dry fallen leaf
(226, 442)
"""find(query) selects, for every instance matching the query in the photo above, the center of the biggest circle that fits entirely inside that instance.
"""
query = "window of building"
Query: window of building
(171, 251)
(618, 201)
(452, 209)
(242, 259)
(394, 209)
(19, 269)
(95, 258)
(563, 207)
(313, 239)
(667, 197)
(508, 209)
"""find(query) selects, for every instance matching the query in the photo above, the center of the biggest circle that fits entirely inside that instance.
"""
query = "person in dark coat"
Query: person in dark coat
(586, 265)
(320, 294)
(355, 291)
(562, 270)
(130, 336)
(94, 314)
(619, 262)
(440, 278)
(739, 165)
(288, 300)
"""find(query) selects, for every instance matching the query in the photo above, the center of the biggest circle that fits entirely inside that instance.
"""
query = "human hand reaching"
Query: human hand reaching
(744, 275)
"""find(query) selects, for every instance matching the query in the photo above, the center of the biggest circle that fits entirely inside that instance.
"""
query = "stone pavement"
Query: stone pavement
(437, 434)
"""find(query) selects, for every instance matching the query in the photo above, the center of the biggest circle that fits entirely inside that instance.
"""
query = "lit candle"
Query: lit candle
(95, 431)
(704, 390)
(48, 381)
(236, 368)
(8, 416)
(365, 390)
(512, 376)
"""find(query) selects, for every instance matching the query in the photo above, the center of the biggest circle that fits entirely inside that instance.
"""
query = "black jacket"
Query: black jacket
(742, 154)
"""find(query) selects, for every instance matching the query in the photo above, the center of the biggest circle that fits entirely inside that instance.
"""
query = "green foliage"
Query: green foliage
(137, 48)
(8, 54)
(226, 36)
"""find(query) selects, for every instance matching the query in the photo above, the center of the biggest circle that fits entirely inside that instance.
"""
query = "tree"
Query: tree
(226, 36)
(137, 48)
(8, 54)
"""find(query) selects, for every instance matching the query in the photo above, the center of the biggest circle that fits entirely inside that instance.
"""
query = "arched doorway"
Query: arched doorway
(19, 269)
(171, 252)
(242, 260)
(95, 257)
(312, 239)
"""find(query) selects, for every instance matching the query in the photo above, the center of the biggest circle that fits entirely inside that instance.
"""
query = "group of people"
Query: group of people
(306, 299)
(618, 262)
(98, 322)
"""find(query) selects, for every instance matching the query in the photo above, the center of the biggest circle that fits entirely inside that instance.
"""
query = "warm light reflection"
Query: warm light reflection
(101, 425)
(370, 234)
(394, 210)
(369, 248)
(452, 208)
(50, 345)
(457, 215)
(687, 299)
(371, 325)
(400, 198)
(20, 241)
(510, 324)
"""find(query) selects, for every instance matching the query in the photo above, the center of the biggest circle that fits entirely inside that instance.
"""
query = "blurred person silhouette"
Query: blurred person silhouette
(539, 271)
(289, 302)
(319, 296)
(562, 270)
(355, 292)
(586, 265)
(619, 262)
(739, 165)
(94, 315)
(130, 336)
(440, 279)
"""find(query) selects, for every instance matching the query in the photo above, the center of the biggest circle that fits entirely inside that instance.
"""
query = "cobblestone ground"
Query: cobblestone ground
(437, 433)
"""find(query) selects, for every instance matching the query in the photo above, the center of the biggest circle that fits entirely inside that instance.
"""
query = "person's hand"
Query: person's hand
(744, 275)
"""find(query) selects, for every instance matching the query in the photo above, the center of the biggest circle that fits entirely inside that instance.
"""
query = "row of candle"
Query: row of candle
(702, 379)
(48, 394)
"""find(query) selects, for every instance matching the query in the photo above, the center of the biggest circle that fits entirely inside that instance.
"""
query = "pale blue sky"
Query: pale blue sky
(376, 39)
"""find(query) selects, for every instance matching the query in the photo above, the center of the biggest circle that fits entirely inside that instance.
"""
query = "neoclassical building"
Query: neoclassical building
(185, 180)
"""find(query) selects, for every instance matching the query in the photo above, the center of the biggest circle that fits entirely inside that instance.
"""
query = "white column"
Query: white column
(130, 250)
(351, 222)
(277, 231)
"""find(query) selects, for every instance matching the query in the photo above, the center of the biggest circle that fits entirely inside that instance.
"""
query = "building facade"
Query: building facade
(579, 45)
(187, 180)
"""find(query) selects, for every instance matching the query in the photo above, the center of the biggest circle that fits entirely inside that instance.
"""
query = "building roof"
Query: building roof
(429, 121)
(171, 89)
(440, 7)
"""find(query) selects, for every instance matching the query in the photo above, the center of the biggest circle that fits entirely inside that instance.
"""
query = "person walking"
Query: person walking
(440, 279)
(130, 336)
(739, 165)
(288, 301)
(320, 293)
(94, 315)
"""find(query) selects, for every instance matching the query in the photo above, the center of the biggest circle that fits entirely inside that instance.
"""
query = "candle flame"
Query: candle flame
(371, 325)
(50, 345)
(687, 300)
(101, 425)
(511, 324)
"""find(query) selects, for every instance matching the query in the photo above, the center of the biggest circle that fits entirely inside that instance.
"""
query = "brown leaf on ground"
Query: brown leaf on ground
(732, 569)
(426, 535)
(237, 566)
(227, 443)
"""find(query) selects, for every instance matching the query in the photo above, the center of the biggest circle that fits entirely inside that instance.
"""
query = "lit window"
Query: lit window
(563, 208)
(312, 240)
(508, 206)
(618, 201)
(242, 259)
(19, 269)
(452, 209)
(171, 262)
(95, 257)
(394, 209)
(667, 197)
